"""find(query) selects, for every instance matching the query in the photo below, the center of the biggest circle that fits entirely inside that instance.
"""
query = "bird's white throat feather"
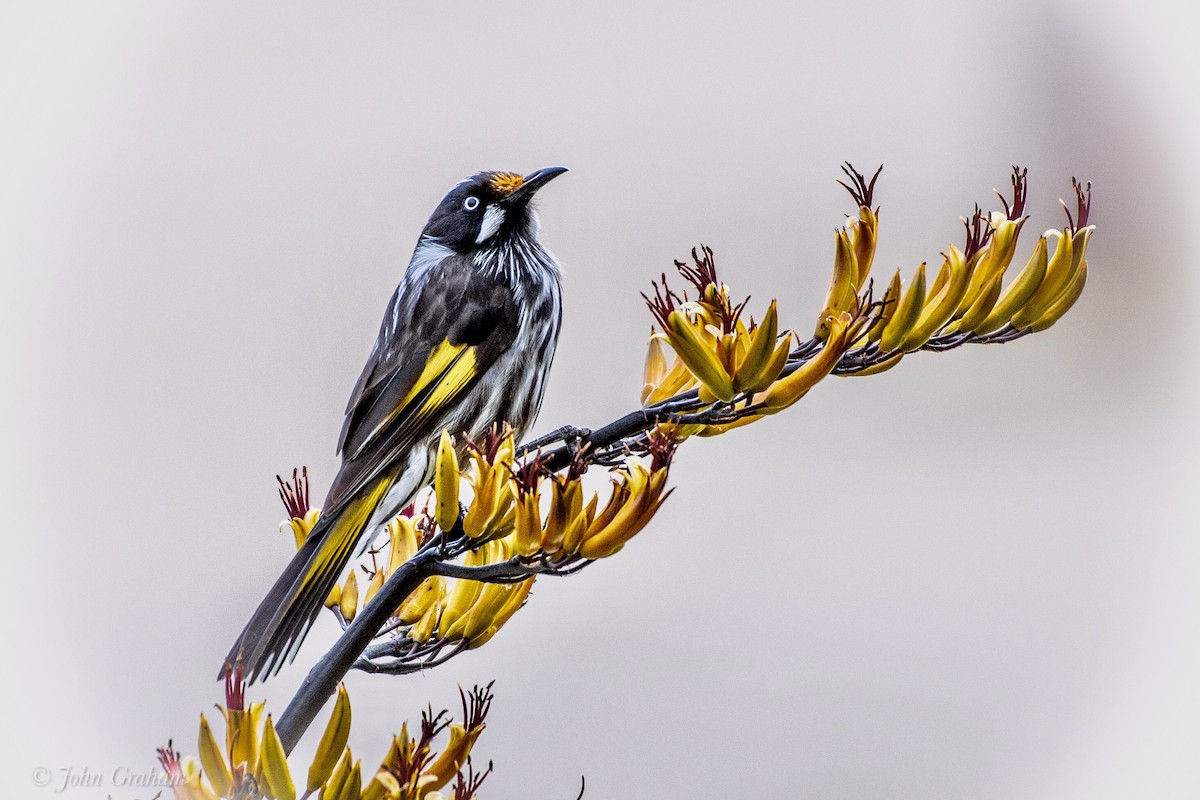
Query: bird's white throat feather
(493, 218)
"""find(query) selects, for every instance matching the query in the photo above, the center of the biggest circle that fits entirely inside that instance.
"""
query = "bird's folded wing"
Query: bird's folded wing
(446, 334)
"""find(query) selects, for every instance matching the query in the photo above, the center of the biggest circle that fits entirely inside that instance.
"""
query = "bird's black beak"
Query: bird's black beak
(533, 182)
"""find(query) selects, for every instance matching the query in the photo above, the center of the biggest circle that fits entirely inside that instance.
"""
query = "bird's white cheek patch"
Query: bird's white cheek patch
(493, 218)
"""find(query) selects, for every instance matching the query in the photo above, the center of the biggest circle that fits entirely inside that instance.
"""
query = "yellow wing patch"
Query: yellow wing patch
(441, 358)
(447, 371)
(335, 550)
(454, 380)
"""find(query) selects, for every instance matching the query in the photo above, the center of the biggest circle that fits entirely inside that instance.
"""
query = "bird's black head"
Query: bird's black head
(486, 208)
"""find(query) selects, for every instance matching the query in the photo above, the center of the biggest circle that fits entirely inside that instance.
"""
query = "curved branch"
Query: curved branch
(324, 677)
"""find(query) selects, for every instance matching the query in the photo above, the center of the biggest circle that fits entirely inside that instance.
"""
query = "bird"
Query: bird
(466, 342)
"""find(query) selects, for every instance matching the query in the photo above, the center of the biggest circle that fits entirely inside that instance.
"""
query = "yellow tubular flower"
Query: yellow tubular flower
(891, 299)
(791, 388)
(566, 501)
(501, 526)
(982, 305)
(425, 627)
(620, 493)
(481, 506)
(335, 596)
(578, 526)
(634, 478)
(512, 605)
(383, 786)
(528, 524)
(1045, 312)
(678, 379)
(462, 596)
(337, 779)
(1063, 302)
(994, 259)
(656, 365)
(450, 761)
(402, 536)
(483, 614)
(864, 233)
(463, 593)
(301, 528)
(945, 301)
(646, 495)
(762, 355)
(610, 540)
(397, 750)
(241, 736)
(700, 357)
(445, 484)
(1018, 292)
(351, 789)
(1058, 275)
(908, 311)
(491, 511)
(274, 778)
(843, 286)
(333, 741)
(213, 761)
(488, 600)
(430, 591)
(499, 503)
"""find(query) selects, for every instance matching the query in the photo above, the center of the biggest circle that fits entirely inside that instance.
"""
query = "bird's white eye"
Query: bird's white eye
(471, 203)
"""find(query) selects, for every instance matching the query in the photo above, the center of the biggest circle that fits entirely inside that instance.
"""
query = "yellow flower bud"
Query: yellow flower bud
(274, 776)
(213, 761)
(373, 586)
(908, 311)
(402, 538)
(333, 741)
(425, 627)
(446, 477)
(348, 603)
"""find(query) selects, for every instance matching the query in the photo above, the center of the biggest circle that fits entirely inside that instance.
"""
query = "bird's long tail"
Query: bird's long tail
(281, 621)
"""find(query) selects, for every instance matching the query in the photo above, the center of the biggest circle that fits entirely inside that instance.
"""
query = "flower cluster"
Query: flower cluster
(509, 499)
(516, 517)
(459, 609)
(968, 300)
(251, 762)
(714, 347)
(744, 373)
(752, 369)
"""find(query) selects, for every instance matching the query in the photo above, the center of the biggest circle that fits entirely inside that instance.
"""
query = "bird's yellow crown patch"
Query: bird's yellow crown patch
(507, 182)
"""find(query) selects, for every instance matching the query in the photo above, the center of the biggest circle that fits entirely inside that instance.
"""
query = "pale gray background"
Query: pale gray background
(975, 576)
